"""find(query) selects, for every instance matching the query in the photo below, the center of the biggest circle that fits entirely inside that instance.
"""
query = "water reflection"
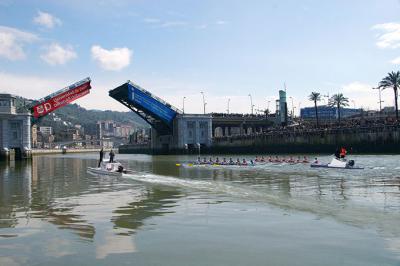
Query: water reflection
(56, 190)
(156, 203)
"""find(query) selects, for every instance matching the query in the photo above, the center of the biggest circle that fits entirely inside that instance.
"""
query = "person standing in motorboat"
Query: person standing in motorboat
(343, 153)
(340, 153)
(337, 153)
(112, 155)
(101, 157)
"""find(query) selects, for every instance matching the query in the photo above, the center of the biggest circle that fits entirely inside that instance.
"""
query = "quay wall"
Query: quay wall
(384, 139)
(60, 151)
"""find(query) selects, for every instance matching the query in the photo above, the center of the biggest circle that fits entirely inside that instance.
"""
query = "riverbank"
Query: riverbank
(61, 151)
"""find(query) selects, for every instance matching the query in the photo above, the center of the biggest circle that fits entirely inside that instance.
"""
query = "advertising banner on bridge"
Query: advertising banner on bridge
(149, 104)
(61, 99)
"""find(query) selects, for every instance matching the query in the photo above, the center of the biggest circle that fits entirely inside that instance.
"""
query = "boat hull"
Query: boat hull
(99, 171)
(334, 167)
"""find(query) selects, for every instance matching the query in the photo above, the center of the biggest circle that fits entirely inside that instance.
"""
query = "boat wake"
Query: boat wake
(347, 212)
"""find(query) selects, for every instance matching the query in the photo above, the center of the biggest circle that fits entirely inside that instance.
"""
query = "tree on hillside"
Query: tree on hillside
(392, 80)
(315, 97)
(338, 101)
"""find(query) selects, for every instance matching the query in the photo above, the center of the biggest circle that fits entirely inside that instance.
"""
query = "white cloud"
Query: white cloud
(396, 61)
(46, 20)
(151, 20)
(202, 26)
(114, 59)
(12, 42)
(221, 22)
(31, 87)
(58, 55)
(364, 96)
(357, 87)
(170, 24)
(389, 36)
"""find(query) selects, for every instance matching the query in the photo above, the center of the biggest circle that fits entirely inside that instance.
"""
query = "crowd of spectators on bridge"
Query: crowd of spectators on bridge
(303, 127)
(238, 115)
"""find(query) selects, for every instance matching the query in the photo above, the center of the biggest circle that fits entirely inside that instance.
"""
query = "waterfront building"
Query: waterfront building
(46, 130)
(34, 136)
(15, 127)
(326, 112)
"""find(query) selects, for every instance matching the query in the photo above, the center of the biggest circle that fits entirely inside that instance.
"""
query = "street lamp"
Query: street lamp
(354, 104)
(204, 103)
(227, 110)
(183, 104)
(251, 104)
(380, 99)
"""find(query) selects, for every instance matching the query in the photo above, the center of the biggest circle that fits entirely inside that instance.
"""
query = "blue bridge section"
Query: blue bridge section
(156, 112)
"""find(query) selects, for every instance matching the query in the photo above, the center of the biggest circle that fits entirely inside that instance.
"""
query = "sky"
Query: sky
(228, 49)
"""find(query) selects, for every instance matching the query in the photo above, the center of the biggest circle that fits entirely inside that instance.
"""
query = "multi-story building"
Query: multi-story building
(46, 130)
(34, 135)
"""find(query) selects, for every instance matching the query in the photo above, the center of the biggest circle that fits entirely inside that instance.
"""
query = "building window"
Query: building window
(14, 125)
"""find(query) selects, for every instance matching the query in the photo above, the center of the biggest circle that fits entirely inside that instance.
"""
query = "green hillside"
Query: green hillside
(73, 114)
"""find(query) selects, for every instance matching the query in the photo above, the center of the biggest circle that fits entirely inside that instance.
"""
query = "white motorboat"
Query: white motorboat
(337, 163)
(106, 168)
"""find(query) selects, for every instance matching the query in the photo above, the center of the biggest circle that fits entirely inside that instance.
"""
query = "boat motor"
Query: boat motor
(350, 163)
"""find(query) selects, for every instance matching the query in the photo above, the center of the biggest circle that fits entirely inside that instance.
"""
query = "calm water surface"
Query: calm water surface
(52, 212)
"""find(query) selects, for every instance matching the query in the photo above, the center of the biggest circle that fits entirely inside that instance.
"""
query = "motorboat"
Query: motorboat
(337, 163)
(107, 168)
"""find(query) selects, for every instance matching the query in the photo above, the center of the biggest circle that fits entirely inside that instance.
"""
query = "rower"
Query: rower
(217, 160)
(316, 161)
(237, 161)
(224, 161)
(262, 159)
(298, 159)
(204, 160)
(270, 159)
(251, 162)
(256, 159)
(198, 160)
(211, 161)
(231, 162)
(244, 162)
(305, 159)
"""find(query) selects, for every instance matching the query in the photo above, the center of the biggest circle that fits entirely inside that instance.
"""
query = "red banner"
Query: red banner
(61, 100)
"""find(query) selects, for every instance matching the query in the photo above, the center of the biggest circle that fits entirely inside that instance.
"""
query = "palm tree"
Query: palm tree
(315, 97)
(392, 80)
(338, 101)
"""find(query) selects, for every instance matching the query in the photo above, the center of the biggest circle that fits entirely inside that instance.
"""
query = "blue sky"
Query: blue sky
(228, 49)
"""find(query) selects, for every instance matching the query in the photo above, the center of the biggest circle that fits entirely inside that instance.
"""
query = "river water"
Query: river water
(52, 212)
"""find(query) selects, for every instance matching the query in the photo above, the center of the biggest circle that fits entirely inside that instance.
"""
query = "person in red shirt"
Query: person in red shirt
(343, 152)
